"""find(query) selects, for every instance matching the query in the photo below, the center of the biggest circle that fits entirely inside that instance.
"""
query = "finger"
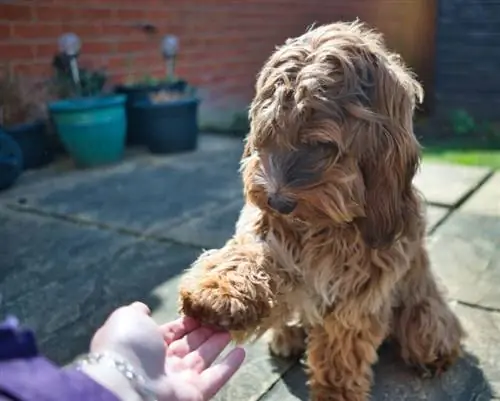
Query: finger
(218, 375)
(141, 307)
(191, 341)
(201, 358)
(177, 329)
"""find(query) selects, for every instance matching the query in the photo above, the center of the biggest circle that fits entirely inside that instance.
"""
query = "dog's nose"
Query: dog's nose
(281, 205)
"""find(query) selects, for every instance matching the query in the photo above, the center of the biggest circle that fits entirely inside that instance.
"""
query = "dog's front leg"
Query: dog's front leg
(340, 356)
(230, 287)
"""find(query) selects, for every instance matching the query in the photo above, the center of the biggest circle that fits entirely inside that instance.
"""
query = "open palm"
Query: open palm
(191, 351)
(177, 358)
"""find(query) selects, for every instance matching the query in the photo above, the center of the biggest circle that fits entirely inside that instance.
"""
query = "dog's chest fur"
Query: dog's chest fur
(320, 269)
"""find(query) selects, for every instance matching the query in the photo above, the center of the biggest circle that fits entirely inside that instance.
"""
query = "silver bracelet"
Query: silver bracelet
(138, 382)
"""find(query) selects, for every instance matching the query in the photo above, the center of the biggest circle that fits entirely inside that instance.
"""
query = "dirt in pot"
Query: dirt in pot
(165, 96)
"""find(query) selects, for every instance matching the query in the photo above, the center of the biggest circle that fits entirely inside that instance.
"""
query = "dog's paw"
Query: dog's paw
(438, 366)
(287, 342)
(214, 302)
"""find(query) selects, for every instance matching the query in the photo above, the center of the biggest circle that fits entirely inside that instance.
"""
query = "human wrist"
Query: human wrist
(117, 375)
(112, 381)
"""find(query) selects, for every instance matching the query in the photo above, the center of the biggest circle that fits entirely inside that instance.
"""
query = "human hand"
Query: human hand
(176, 358)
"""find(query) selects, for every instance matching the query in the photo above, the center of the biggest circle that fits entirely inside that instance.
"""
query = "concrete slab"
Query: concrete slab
(81, 304)
(145, 197)
(465, 250)
(36, 252)
(209, 230)
(447, 184)
(474, 377)
(71, 292)
(486, 201)
(482, 343)
(434, 216)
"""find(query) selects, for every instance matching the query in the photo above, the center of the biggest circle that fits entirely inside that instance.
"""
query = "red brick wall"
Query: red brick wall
(223, 42)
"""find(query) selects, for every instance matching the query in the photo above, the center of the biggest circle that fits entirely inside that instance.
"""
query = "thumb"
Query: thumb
(141, 307)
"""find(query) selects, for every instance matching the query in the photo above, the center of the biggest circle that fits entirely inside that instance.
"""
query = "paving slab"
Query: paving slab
(465, 250)
(474, 377)
(144, 197)
(435, 214)
(37, 252)
(81, 304)
(59, 290)
(209, 230)
(448, 184)
(486, 201)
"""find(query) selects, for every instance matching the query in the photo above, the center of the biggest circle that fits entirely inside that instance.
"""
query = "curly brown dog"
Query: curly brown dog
(329, 249)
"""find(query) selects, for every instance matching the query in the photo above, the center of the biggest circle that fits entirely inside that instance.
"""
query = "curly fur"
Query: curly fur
(342, 261)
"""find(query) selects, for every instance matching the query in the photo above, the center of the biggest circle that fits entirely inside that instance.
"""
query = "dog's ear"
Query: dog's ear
(388, 160)
(390, 205)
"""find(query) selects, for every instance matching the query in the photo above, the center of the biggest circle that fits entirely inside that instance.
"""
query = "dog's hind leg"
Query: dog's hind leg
(428, 332)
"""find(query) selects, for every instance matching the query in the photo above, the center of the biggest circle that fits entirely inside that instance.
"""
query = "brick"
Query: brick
(4, 30)
(93, 14)
(132, 47)
(89, 47)
(128, 30)
(15, 12)
(45, 51)
(10, 51)
(34, 30)
(54, 13)
(33, 69)
(88, 29)
(127, 14)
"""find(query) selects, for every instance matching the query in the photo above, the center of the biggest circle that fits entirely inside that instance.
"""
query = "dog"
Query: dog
(328, 255)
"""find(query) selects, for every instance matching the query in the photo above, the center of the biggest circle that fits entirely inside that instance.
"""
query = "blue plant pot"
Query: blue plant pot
(34, 143)
(11, 161)
(140, 93)
(168, 127)
(91, 129)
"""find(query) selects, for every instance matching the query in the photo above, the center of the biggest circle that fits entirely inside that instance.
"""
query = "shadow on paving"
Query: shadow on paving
(395, 381)
(62, 280)
(131, 275)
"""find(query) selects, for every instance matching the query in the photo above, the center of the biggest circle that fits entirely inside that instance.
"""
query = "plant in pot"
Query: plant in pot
(163, 113)
(22, 117)
(11, 161)
(90, 122)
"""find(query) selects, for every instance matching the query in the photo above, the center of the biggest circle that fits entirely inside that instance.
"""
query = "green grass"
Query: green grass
(465, 151)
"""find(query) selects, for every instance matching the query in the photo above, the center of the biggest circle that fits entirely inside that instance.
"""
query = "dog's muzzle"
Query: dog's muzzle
(281, 204)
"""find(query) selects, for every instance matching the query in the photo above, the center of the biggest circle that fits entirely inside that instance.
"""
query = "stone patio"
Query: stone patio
(75, 244)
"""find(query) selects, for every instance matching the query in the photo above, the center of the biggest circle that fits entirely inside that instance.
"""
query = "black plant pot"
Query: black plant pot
(168, 127)
(34, 142)
(140, 93)
(11, 161)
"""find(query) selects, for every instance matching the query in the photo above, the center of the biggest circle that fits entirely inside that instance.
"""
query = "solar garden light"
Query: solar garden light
(170, 48)
(70, 44)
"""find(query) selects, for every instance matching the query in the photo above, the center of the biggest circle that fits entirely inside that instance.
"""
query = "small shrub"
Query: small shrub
(62, 85)
(21, 100)
(462, 122)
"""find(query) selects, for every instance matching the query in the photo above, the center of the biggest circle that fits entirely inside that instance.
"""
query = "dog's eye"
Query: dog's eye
(324, 149)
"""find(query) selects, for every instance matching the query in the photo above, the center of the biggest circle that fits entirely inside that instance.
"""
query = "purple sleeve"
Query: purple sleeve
(26, 376)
